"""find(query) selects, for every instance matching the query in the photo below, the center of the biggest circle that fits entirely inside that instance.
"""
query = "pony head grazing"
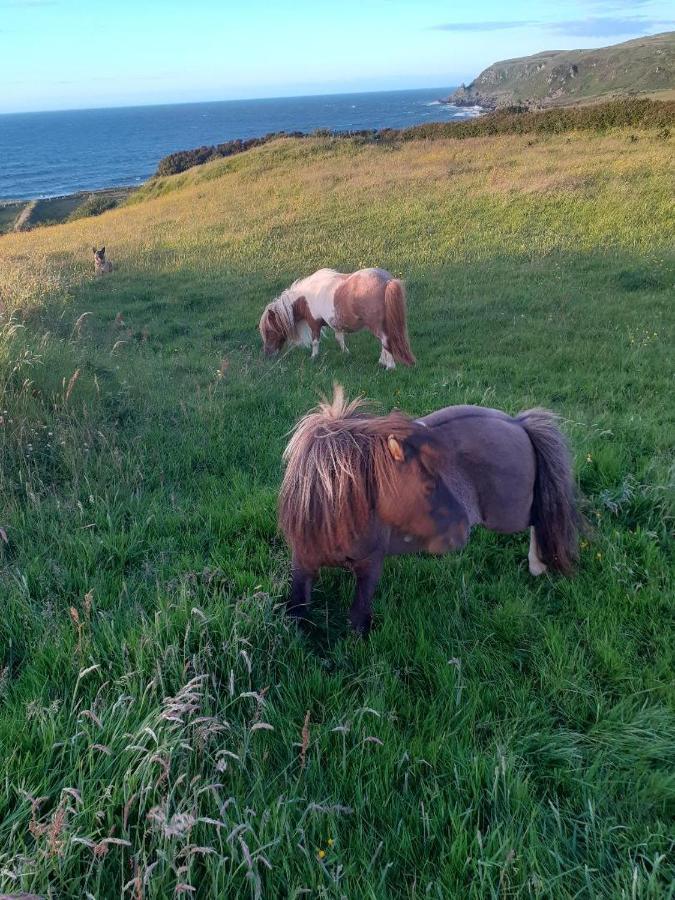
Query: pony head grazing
(347, 470)
(277, 324)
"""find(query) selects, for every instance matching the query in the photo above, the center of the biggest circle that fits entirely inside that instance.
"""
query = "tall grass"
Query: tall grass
(164, 730)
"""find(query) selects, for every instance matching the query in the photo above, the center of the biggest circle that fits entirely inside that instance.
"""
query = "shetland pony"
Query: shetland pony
(101, 265)
(370, 298)
(359, 487)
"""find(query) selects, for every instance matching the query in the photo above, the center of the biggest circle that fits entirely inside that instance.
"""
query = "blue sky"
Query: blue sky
(62, 54)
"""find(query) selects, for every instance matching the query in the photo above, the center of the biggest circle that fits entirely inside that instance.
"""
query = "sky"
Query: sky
(72, 54)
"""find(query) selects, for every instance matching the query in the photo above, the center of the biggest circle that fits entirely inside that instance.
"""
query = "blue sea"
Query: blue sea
(49, 154)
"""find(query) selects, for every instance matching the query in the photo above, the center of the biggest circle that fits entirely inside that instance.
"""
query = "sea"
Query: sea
(50, 154)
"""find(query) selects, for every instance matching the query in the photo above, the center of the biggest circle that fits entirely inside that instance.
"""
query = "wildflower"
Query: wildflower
(598, 555)
(330, 842)
(589, 458)
(321, 854)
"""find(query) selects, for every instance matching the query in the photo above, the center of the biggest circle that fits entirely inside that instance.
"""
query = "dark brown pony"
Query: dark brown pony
(360, 487)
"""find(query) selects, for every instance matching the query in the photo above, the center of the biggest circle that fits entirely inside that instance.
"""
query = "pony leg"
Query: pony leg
(340, 338)
(537, 567)
(315, 348)
(367, 573)
(386, 359)
(298, 602)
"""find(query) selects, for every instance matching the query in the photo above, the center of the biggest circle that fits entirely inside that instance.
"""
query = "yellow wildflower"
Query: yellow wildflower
(321, 854)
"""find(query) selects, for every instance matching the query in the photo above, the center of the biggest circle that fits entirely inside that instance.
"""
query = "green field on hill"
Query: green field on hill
(164, 730)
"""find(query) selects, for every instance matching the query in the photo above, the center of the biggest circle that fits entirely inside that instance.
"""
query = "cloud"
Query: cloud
(618, 5)
(481, 26)
(607, 26)
(26, 4)
(593, 26)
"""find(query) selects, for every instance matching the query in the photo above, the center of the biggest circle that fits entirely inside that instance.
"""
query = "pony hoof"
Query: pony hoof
(362, 627)
(537, 568)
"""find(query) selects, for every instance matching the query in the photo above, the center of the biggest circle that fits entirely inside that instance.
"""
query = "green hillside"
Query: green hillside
(641, 66)
(165, 732)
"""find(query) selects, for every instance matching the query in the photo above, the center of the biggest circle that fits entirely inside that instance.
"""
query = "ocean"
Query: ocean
(49, 154)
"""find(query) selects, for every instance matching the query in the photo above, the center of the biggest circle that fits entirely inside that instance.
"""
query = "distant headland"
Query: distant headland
(644, 66)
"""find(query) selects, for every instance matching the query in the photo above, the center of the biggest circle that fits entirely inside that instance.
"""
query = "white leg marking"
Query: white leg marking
(315, 349)
(340, 338)
(386, 359)
(537, 567)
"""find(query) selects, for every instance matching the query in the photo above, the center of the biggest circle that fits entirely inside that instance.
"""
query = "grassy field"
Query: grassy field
(164, 730)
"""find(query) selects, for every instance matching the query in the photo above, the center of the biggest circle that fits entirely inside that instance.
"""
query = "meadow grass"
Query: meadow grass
(164, 729)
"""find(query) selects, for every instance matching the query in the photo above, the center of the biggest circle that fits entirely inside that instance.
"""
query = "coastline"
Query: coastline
(52, 153)
(23, 215)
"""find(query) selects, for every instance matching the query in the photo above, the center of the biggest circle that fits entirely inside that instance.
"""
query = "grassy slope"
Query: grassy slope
(643, 65)
(497, 735)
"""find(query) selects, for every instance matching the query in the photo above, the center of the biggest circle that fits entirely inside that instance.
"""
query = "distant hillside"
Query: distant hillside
(554, 77)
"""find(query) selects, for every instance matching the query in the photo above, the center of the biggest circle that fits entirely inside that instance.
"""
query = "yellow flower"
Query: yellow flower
(598, 555)
(589, 458)
(330, 842)
(321, 854)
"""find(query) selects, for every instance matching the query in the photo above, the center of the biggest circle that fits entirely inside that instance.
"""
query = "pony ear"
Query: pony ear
(94, 249)
(395, 449)
(102, 250)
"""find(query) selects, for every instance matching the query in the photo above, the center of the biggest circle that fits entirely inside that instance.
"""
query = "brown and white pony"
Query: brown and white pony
(370, 298)
(102, 266)
(359, 487)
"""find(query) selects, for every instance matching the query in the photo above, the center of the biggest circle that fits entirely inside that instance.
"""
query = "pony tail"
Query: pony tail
(554, 509)
(395, 325)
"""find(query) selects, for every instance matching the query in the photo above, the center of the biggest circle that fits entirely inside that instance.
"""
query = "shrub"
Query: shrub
(94, 205)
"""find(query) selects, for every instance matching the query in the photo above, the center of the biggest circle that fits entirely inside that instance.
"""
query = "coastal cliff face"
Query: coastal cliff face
(644, 65)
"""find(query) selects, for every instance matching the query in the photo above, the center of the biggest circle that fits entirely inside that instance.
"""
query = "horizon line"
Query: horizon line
(31, 112)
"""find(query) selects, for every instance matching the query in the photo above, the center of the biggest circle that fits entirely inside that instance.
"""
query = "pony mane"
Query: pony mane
(337, 464)
(283, 307)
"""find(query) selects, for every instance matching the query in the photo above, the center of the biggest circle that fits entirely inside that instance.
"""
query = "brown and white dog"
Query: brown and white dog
(369, 299)
(101, 265)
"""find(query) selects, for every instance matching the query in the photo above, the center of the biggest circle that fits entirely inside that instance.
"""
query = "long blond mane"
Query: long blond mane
(337, 464)
(293, 332)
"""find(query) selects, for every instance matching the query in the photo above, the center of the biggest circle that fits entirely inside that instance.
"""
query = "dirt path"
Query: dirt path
(24, 216)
